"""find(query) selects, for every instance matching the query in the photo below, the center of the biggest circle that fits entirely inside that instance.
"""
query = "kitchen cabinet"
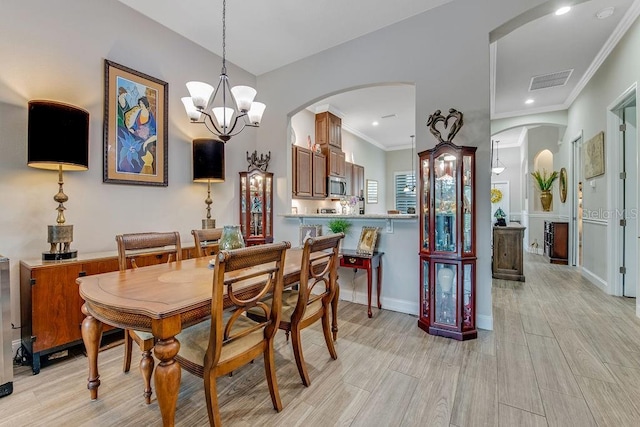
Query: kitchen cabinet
(309, 174)
(447, 241)
(256, 202)
(336, 164)
(329, 130)
(354, 175)
(357, 181)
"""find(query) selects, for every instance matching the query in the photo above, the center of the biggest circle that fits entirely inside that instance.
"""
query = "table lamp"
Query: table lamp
(208, 166)
(58, 139)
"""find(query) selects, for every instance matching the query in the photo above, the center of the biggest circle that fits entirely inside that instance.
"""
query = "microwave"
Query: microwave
(336, 186)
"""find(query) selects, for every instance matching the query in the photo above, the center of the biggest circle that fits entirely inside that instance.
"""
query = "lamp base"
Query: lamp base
(208, 223)
(57, 256)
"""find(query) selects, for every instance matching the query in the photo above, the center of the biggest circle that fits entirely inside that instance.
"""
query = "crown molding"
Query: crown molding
(345, 126)
(547, 109)
(621, 29)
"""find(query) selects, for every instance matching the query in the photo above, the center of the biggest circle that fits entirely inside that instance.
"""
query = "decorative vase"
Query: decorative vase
(231, 238)
(545, 198)
(445, 279)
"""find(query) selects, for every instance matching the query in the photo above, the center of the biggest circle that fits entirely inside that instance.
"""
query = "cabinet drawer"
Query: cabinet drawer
(353, 262)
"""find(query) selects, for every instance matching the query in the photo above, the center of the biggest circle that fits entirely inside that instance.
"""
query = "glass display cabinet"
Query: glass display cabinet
(447, 241)
(256, 201)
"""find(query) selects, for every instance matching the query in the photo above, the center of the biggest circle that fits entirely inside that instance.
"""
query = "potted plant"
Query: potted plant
(339, 225)
(545, 183)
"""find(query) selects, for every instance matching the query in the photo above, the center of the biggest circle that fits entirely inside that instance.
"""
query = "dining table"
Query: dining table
(162, 299)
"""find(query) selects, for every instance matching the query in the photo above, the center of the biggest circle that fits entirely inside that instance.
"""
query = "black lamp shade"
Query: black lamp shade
(208, 160)
(58, 136)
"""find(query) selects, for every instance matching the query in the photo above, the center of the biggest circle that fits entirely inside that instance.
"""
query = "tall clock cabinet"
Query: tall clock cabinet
(448, 241)
(256, 207)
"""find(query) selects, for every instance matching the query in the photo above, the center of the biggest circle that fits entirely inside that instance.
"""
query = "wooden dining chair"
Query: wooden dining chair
(312, 300)
(206, 241)
(218, 346)
(136, 250)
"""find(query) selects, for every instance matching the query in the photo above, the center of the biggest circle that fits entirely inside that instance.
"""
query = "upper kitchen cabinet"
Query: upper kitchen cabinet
(336, 165)
(309, 174)
(328, 130)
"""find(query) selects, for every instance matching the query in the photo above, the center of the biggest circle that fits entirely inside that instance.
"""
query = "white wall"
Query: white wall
(448, 68)
(588, 115)
(56, 50)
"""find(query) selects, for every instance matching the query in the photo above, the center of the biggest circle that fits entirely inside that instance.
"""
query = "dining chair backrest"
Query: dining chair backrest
(206, 241)
(318, 274)
(135, 246)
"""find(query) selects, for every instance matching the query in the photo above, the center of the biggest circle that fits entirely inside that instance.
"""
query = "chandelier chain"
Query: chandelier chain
(224, 36)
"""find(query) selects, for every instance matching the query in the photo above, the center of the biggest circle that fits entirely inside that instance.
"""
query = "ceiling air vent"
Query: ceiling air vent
(550, 80)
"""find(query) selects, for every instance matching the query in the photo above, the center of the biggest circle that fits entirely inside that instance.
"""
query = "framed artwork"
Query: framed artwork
(594, 156)
(135, 127)
(367, 242)
(309, 231)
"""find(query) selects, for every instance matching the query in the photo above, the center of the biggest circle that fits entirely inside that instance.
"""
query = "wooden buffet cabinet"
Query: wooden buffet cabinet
(556, 242)
(50, 303)
(508, 252)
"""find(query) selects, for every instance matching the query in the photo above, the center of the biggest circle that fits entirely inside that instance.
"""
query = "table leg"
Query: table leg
(167, 378)
(369, 278)
(334, 311)
(91, 335)
(379, 282)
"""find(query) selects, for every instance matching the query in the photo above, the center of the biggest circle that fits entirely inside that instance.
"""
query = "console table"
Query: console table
(352, 259)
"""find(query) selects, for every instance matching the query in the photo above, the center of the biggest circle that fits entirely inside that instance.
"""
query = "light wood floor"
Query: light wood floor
(562, 354)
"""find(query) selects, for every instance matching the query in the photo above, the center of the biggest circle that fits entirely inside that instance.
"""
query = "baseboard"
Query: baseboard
(537, 251)
(596, 280)
(484, 322)
(392, 304)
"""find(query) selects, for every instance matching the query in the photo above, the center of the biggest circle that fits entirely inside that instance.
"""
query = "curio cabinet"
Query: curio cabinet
(256, 207)
(448, 241)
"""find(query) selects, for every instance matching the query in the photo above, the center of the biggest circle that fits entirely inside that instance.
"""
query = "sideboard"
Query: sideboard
(50, 304)
(507, 252)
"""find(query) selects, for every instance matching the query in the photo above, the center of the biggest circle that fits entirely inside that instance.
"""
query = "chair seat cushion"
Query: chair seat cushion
(195, 339)
(289, 302)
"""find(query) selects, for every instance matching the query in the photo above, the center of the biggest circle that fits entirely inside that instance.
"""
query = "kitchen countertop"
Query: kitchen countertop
(354, 217)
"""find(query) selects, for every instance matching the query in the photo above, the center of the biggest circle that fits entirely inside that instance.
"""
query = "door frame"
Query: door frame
(615, 196)
(576, 169)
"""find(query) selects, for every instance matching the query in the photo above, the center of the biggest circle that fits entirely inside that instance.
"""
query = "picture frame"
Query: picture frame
(135, 140)
(308, 231)
(594, 156)
(367, 241)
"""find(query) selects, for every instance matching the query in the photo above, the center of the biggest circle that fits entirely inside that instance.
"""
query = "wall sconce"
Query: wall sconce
(58, 139)
(208, 166)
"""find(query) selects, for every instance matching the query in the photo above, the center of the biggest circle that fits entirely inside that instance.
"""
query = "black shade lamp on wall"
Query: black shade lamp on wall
(208, 166)
(58, 140)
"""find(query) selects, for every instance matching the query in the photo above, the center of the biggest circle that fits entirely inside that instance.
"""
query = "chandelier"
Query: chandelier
(497, 166)
(238, 109)
(411, 188)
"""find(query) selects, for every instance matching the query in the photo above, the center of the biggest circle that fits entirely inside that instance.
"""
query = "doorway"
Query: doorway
(576, 206)
(626, 219)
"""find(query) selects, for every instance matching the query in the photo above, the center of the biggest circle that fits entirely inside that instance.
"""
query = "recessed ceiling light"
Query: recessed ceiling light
(563, 10)
(605, 13)
(375, 123)
(529, 101)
